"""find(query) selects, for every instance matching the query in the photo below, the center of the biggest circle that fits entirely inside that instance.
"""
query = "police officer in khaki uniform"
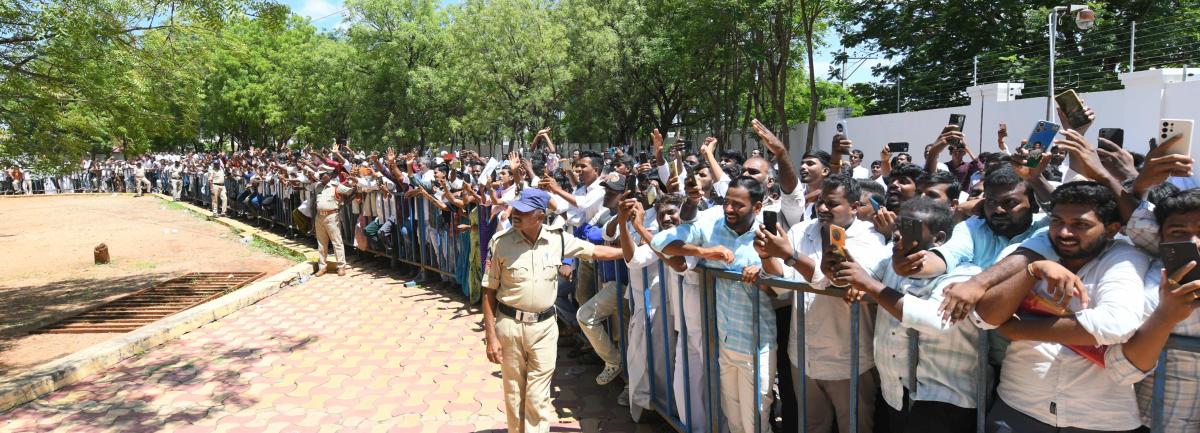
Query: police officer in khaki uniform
(139, 178)
(176, 181)
(328, 223)
(216, 185)
(519, 288)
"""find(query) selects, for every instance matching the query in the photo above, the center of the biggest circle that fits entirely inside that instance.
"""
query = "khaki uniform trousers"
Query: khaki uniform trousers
(529, 351)
(139, 181)
(329, 230)
(176, 188)
(218, 193)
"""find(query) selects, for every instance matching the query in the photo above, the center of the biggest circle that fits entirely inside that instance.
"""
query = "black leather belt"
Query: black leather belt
(525, 317)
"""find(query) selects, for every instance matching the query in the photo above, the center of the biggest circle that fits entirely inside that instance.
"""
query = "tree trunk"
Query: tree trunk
(813, 98)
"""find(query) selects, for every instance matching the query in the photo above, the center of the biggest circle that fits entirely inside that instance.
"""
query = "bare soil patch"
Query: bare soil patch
(48, 272)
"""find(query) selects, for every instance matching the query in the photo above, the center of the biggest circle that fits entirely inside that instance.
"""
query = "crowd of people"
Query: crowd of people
(1056, 259)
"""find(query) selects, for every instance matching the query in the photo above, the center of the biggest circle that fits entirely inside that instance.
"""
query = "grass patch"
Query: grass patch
(275, 250)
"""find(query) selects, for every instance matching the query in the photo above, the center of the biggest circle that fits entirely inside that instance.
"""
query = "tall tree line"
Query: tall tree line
(89, 77)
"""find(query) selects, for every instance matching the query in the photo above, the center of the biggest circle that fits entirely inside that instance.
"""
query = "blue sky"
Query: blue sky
(328, 14)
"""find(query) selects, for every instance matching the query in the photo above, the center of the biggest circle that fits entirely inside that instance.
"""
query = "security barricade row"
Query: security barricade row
(424, 238)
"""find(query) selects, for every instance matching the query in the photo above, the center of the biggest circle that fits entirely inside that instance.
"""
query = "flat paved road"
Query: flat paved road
(355, 353)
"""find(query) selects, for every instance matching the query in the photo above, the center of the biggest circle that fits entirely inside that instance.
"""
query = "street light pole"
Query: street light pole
(1084, 21)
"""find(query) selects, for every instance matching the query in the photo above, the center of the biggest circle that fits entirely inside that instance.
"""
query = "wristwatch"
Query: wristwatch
(791, 261)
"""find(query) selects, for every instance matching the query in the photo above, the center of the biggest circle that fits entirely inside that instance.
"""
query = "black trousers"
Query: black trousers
(929, 417)
(1004, 419)
(787, 396)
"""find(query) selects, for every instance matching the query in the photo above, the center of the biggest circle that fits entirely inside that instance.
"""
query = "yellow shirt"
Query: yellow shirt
(525, 274)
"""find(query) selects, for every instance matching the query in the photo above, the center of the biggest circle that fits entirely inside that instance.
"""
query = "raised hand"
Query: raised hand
(773, 143)
(768, 244)
(1026, 172)
(1118, 161)
(656, 139)
(1177, 301)
(710, 145)
(884, 221)
(1160, 164)
(1083, 154)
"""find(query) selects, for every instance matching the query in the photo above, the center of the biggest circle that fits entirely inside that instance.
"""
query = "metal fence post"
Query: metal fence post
(855, 310)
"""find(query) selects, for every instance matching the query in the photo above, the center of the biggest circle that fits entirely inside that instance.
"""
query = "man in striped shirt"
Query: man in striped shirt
(939, 394)
(746, 346)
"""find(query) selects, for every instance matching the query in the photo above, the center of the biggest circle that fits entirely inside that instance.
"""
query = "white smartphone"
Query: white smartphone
(842, 129)
(1170, 128)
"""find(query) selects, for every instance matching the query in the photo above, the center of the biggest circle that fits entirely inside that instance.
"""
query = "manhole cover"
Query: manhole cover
(142, 307)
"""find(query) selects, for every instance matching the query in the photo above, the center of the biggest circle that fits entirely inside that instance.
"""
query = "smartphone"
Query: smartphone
(911, 230)
(1171, 128)
(1072, 107)
(874, 204)
(771, 219)
(631, 184)
(1115, 135)
(837, 243)
(960, 121)
(1176, 255)
(898, 147)
(842, 130)
(1040, 141)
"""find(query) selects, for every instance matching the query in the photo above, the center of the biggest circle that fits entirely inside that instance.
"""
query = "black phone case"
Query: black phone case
(771, 219)
(1176, 255)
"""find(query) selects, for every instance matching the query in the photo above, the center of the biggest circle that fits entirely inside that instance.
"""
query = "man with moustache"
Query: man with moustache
(518, 307)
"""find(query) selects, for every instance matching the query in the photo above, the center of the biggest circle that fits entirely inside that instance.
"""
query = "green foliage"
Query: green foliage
(933, 44)
(87, 77)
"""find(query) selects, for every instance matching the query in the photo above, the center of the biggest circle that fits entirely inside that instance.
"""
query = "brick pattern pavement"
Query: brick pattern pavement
(356, 353)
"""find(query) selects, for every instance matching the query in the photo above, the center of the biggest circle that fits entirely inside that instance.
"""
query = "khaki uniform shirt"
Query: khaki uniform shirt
(327, 197)
(524, 274)
(139, 171)
(216, 176)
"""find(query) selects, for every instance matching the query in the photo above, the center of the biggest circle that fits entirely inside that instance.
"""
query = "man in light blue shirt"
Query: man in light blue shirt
(1010, 217)
(728, 244)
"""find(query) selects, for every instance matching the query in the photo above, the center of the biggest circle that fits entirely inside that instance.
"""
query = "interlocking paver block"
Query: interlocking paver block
(357, 353)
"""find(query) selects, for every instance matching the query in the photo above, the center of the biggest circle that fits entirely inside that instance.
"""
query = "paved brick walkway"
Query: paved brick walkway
(357, 353)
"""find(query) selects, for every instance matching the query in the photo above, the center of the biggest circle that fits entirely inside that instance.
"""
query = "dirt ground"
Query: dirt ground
(47, 271)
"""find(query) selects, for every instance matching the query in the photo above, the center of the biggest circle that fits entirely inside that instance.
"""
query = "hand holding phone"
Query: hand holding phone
(1040, 141)
(912, 231)
(1115, 135)
(771, 220)
(1074, 115)
(1175, 255)
(898, 147)
(1176, 133)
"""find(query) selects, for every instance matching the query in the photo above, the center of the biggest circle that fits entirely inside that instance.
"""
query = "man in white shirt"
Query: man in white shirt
(646, 273)
(799, 256)
(1045, 385)
(857, 171)
(940, 394)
